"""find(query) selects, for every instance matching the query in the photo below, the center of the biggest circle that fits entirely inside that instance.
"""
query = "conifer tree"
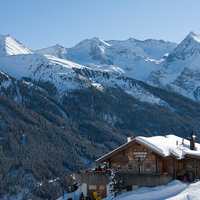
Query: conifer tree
(115, 187)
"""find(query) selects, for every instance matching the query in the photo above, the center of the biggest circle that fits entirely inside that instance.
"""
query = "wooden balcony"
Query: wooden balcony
(143, 180)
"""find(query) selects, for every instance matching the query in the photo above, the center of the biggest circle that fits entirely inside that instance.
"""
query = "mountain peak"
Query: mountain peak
(95, 39)
(193, 36)
(191, 33)
(92, 42)
(58, 46)
(190, 46)
(10, 46)
(56, 50)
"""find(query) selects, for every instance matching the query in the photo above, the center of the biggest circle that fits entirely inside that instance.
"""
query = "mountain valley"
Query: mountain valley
(64, 106)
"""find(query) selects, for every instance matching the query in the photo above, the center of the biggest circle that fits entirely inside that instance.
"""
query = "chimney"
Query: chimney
(192, 143)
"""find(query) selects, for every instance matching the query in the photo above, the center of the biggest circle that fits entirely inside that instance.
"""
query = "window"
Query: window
(145, 149)
(190, 164)
(119, 167)
(101, 187)
(130, 167)
(148, 167)
(134, 149)
(129, 187)
(152, 154)
(180, 165)
(124, 159)
(92, 187)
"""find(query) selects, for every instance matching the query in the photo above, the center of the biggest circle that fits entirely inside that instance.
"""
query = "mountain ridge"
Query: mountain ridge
(181, 69)
(131, 57)
(72, 113)
(10, 46)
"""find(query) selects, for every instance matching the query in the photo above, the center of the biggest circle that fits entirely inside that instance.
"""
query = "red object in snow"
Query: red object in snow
(130, 139)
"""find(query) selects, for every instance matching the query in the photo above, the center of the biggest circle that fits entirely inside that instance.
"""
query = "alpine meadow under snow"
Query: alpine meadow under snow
(62, 106)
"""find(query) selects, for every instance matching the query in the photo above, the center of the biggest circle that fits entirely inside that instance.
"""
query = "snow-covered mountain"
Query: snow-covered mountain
(66, 76)
(10, 46)
(132, 58)
(77, 104)
(56, 50)
(180, 72)
(159, 63)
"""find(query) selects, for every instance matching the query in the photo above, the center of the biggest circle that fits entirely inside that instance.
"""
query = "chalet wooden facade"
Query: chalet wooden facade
(145, 161)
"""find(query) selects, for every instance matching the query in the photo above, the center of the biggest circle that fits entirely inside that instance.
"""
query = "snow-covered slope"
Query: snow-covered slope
(43, 68)
(10, 46)
(56, 50)
(180, 72)
(159, 63)
(132, 58)
(175, 190)
(67, 75)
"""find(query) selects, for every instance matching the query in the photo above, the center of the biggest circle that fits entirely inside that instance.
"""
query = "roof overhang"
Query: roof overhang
(192, 156)
(122, 148)
(115, 151)
(156, 148)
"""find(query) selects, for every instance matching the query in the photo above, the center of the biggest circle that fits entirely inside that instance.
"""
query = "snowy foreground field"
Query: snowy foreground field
(175, 190)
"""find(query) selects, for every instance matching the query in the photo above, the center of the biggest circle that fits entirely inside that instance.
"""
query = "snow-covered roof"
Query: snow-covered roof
(169, 145)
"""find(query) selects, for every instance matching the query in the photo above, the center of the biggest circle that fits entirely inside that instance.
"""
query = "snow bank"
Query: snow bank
(175, 190)
(73, 195)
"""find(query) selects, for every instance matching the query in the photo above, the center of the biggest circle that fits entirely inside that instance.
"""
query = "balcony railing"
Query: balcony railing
(102, 177)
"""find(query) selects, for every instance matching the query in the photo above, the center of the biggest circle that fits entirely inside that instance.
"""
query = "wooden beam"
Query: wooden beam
(192, 156)
(196, 169)
(156, 163)
(174, 168)
(116, 151)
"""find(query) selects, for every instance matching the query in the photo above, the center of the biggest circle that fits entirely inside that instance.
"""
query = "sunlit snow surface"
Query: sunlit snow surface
(159, 63)
(180, 71)
(170, 145)
(10, 46)
(132, 58)
(175, 190)
(67, 75)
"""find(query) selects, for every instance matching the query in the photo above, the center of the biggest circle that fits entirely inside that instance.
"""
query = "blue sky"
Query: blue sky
(41, 23)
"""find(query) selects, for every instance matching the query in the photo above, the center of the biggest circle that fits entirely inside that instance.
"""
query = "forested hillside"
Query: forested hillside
(57, 115)
(44, 137)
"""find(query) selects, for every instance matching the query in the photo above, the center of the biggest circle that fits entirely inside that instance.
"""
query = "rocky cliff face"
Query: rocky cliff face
(180, 71)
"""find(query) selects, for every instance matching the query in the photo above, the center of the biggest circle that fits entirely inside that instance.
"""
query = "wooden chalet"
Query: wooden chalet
(145, 161)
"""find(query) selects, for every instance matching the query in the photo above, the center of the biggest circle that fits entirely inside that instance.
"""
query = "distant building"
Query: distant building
(145, 161)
